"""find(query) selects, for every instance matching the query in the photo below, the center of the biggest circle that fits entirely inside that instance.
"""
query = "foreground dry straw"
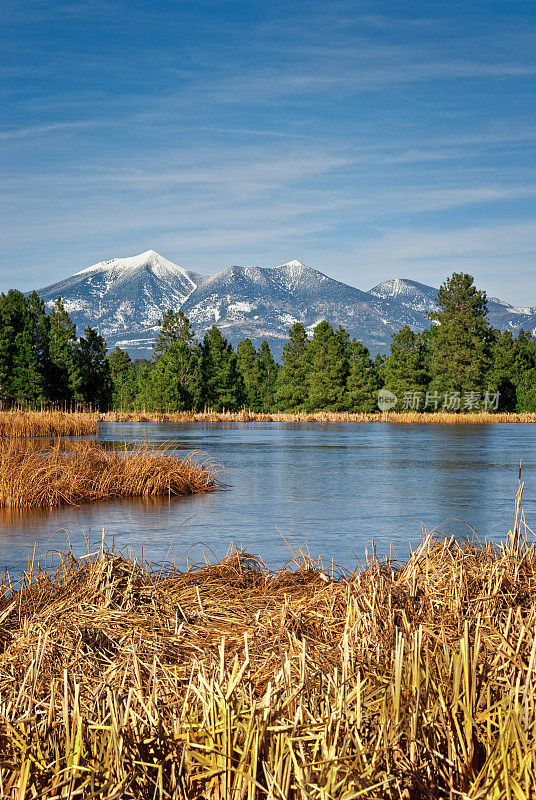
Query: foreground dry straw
(76, 472)
(230, 681)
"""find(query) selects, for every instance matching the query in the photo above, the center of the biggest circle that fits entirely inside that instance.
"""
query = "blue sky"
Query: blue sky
(370, 140)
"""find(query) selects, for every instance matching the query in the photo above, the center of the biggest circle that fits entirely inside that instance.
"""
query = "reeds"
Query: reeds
(21, 423)
(404, 681)
(70, 472)
(403, 417)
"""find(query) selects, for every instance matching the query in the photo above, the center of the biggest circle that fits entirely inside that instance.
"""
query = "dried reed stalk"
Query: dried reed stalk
(411, 417)
(20, 423)
(397, 681)
(76, 472)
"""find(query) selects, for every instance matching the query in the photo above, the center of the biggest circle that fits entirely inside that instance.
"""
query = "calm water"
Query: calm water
(331, 487)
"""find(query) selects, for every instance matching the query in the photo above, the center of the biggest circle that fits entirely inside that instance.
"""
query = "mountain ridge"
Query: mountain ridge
(125, 297)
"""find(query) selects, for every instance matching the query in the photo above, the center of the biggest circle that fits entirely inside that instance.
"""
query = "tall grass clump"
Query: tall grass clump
(23, 423)
(76, 472)
(394, 682)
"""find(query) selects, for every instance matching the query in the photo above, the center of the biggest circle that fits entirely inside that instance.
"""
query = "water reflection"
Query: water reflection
(333, 487)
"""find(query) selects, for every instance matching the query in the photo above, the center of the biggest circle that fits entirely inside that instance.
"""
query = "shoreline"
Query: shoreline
(19, 423)
(412, 418)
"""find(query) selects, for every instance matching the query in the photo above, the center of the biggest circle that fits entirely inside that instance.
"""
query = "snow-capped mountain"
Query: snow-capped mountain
(412, 294)
(262, 303)
(420, 297)
(125, 297)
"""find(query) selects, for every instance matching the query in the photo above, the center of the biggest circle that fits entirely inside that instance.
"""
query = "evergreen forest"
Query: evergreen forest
(459, 363)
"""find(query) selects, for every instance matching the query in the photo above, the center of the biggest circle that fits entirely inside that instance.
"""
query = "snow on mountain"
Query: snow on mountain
(263, 302)
(421, 297)
(415, 295)
(125, 297)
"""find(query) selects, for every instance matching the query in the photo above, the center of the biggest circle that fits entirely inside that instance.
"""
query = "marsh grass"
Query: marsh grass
(406, 417)
(23, 423)
(407, 681)
(71, 472)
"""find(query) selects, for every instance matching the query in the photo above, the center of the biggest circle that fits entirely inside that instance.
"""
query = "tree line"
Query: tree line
(43, 363)
(459, 363)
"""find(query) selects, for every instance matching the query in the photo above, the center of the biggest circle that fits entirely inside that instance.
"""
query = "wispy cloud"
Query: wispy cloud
(33, 131)
(354, 138)
(486, 251)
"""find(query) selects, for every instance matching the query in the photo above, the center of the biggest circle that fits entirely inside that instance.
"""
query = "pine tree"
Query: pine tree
(268, 373)
(175, 328)
(222, 386)
(328, 370)
(174, 382)
(379, 364)
(142, 399)
(362, 384)
(63, 350)
(460, 354)
(526, 392)
(404, 370)
(94, 380)
(249, 367)
(161, 388)
(511, 358)
(41, 339)
(21, 379)
(292, 390)
(343, 337)
(123, 376)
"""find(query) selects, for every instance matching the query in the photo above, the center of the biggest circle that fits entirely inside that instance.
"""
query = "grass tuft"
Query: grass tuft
(71, 472)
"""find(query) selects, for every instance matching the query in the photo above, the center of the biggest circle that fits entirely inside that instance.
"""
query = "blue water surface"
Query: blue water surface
(332, 488)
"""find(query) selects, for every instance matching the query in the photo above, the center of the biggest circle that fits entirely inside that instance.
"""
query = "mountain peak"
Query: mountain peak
(410, 293)
(294, 264)
(148, 257)
(131, 264)
(397, 285)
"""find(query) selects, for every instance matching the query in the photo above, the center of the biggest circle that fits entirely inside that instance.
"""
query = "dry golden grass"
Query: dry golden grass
(76, 472)
(395, 682)
(20, 423)
(412, 417)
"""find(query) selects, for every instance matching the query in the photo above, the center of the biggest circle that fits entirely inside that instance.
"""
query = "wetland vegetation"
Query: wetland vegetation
(72, 472)
(231, 680)
(398, 680)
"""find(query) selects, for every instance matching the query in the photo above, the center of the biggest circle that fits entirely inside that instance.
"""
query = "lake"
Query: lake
(330, 487)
